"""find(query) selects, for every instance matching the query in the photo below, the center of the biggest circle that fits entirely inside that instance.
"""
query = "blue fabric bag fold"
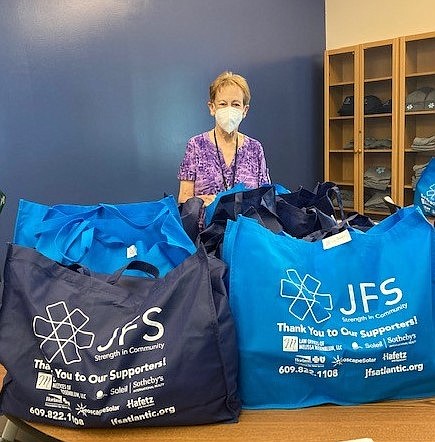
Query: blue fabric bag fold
(105, 237)
(240, 188)
(345, 320)
(424, 196)
(91, 350)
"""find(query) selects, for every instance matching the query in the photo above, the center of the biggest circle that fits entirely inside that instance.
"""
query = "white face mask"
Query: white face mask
(228, 118)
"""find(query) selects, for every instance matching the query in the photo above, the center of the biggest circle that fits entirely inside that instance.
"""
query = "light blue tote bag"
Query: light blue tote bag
(105, 237)
(345, 320)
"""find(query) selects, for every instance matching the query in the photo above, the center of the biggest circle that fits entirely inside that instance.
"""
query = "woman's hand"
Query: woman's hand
(208, 199)
(187, 191)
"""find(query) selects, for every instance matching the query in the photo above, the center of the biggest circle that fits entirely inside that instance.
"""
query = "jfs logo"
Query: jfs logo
(154, 329)
(428, 200)
(63, 332)
(307, 299)
(368, 293)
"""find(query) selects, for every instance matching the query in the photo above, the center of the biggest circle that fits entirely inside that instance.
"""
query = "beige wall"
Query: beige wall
(350, 22)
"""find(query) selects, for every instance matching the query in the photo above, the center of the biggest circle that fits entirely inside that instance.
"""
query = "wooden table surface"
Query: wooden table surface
(396, 421)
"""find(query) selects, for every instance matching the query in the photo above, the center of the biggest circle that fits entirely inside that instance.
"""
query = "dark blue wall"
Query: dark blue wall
(98, 97)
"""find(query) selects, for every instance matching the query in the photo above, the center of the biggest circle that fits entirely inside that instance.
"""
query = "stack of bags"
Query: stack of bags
(345, 320)
(282, 301)
(111, 316)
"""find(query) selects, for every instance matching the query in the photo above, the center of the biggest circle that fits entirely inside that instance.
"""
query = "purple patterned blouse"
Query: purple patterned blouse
(203, 164)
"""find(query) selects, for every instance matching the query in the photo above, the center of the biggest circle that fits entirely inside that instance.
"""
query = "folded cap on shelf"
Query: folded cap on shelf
(429, 102)
(346, 108)
(415, 100)
(387, 106)
(372, 104)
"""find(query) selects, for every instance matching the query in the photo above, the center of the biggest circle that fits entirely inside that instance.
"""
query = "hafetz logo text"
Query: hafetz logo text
(120, 333)
(395, 356)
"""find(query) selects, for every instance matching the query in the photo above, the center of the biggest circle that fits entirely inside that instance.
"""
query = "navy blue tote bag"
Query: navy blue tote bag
(86, 350)
(232, 202)
(345, 320)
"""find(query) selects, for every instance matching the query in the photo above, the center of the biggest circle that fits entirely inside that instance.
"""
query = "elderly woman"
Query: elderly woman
(216, 160)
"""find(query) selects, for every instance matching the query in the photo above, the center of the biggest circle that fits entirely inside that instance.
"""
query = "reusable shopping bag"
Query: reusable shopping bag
(345, 320)
(297, 213)
(211, 208)
(354, 220)
(105, 237)
(303, 214)
(191, 212)
(86, 350)
(262, 199)
(254, 196)
(424, 195)
(258, 203)
(320, 198)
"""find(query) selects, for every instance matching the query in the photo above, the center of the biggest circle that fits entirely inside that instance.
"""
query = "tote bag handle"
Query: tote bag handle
(86, 235)
(114, 278)
(134, 265)
(266, 195)
(53, 223)
(76, 228)
(86, 231)
(330, 190)
(114, 210)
